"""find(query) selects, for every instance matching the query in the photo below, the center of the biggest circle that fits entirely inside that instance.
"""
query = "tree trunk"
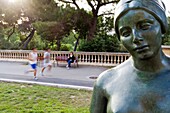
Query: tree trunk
(92, 29)
(58, 44)
(77, 42)
(13, 30)
(29, 38)
(22, 43)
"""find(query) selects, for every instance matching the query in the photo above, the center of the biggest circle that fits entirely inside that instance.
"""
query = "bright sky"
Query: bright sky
(167, 6)
(12, 1)
(84, 5)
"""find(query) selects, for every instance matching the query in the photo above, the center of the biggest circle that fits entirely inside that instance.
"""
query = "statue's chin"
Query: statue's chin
(145, 55)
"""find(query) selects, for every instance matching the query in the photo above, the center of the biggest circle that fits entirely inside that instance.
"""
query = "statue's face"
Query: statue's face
(140, 33)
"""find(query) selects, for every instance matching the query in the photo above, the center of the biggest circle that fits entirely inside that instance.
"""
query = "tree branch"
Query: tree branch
(74, 2)
(105, 3)
(65, 1)
(13, 30)
(106, 14)
(91, 5)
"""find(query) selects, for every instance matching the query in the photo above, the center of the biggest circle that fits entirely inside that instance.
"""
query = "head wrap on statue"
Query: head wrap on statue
(154, 7)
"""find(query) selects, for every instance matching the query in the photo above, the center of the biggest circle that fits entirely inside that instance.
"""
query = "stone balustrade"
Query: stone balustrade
(84, 58)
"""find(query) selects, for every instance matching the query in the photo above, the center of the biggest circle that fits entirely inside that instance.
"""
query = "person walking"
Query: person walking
(33, 62)
(46, 62)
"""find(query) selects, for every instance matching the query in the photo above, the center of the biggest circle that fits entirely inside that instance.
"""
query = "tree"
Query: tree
(95, 7)
(54, 31)
(104, 40)
(81, 25)
(166, 38)
(19, 17)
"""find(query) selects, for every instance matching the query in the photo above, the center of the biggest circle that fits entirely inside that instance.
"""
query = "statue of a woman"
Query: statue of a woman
(142, 83)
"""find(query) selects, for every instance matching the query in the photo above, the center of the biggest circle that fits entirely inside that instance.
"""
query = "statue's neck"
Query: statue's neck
(153, 65)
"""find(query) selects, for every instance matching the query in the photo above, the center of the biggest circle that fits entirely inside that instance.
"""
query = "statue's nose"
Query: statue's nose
(136, 36)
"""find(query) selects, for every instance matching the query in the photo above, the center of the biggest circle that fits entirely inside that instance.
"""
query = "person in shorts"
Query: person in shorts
(46, 62)
(33, 62)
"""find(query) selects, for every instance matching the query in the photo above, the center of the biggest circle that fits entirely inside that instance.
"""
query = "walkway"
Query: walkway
(58, 76)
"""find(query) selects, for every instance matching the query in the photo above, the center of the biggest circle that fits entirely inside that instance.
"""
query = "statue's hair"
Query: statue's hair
(154, 7)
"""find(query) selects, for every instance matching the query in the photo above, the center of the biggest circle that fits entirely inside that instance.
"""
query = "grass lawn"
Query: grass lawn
(26, 98)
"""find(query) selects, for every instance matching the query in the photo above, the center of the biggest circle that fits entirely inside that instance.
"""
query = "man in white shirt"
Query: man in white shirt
(33, 62)
(47, 62)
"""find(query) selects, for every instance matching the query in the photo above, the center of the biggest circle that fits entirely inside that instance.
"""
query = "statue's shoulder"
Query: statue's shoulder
(109, 75)
(168, 59)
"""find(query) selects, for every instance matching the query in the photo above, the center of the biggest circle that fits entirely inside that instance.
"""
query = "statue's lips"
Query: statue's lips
(141, 48)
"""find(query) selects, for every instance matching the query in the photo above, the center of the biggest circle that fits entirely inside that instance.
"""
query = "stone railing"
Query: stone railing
(95, 58)
(84, 58)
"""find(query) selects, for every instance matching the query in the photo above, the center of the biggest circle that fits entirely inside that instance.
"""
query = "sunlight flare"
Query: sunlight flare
(11, 1)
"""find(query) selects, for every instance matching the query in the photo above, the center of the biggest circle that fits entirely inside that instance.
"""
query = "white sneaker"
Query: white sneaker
(41, 74)
(35, 78)
(66, 66)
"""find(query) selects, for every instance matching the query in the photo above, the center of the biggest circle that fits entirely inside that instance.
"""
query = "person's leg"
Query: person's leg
(41, 73)
(30, 70)
(34, 66)
(35, 72)
(44, 67)
(69, 63)
(49, 67)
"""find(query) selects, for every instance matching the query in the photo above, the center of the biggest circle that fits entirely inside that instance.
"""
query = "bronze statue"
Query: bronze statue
(142, 83)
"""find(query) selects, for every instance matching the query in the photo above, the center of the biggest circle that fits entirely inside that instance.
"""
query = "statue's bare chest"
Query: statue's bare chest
(134, 96)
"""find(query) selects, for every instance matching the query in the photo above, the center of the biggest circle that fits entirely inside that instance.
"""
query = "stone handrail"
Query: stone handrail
(84, 58)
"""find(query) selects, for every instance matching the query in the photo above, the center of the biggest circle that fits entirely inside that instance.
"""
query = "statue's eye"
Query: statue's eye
(125, 32)
(145, 25)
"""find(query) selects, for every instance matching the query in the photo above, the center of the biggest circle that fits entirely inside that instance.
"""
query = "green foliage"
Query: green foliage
(11, 43)
(68, 42)
(82, 22)
(43, 29)
(100, 44)
(166, 38)
(55, 31)
(53, 22)
(104, 41)
(70, 39)
(66, 47)
(37, 42)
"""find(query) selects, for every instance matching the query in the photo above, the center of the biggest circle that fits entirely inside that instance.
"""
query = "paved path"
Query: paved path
(59, 76)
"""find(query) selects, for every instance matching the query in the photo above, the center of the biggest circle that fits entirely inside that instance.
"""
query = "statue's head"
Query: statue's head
(154, 7)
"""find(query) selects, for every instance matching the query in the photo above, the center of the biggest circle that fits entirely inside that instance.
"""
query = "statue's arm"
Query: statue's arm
(99, 101)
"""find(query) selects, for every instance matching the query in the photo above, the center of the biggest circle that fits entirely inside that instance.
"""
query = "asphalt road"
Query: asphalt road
(81, 76)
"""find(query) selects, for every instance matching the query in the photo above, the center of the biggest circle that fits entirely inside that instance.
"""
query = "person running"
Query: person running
(46, 62)
(33, 62)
